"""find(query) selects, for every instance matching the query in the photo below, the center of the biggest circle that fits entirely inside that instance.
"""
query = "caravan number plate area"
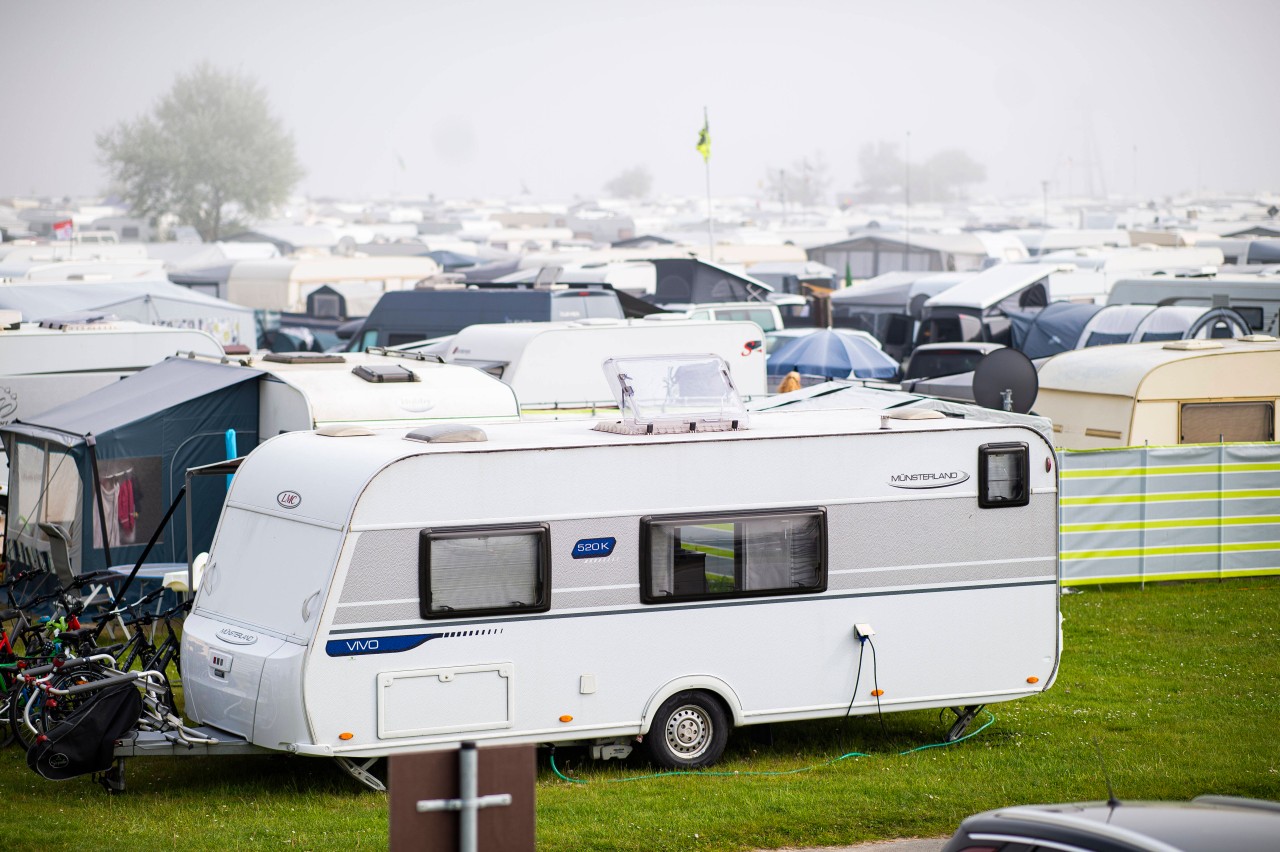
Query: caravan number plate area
(594, 548)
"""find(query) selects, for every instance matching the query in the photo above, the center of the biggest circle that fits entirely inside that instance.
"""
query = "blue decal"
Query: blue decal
(593, 548)
(376, 644)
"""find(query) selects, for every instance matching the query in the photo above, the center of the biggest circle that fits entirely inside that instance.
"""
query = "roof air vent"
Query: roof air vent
(1257, 338)
(447, 433)
(304, 358)
(1193, 344)
(383, 373)
(337, 430)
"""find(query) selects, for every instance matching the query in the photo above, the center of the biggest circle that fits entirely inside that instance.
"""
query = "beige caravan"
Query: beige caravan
(1163, 394)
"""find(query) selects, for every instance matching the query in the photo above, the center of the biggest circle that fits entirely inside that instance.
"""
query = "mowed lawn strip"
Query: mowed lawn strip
(1178, 684)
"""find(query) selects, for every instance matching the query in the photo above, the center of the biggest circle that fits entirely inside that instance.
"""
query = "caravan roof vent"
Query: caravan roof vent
(1257, 338)
(304, 358)
(914, 414)
(381, 373)
(10, 320)
(669, 394)
(447, 433)
(1193, 344)
(337, 430)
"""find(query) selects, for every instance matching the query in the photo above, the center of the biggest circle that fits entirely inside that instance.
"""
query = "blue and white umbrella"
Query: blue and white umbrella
(833, 355)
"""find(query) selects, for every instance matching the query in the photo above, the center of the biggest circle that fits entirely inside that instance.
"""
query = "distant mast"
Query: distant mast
(704, 148)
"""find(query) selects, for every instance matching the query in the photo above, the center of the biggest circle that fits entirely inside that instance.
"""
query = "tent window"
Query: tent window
(1211, 422)
(476, 571)
(733, 555)
(131, 500)
(46, 490)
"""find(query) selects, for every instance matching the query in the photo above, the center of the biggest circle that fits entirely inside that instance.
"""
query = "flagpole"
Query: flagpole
(711, 240)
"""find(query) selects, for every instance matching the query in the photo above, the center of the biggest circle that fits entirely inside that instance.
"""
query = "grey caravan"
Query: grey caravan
(406, 316)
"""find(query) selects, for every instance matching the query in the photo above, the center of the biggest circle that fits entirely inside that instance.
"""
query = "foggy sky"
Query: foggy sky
(482, 98)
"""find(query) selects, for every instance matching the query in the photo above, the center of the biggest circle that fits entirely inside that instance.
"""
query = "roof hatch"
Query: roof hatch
(669, 394)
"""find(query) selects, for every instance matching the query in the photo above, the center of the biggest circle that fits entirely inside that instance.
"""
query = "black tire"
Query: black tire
(689, 731)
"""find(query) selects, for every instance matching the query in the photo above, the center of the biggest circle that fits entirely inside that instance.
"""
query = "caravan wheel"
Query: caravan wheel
(689, 731)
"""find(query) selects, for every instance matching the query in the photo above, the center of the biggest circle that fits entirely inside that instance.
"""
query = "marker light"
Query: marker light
(877, 692)
(1033, 679)
(566, 718)
(345, 735)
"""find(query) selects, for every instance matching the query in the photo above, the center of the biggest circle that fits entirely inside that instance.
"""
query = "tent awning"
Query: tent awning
(147, 392)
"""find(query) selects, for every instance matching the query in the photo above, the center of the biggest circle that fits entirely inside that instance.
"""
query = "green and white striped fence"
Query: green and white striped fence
(1199, 511)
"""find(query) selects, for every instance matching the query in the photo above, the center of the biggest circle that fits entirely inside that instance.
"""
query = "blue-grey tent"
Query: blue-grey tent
(1052, 329)
(115, 459)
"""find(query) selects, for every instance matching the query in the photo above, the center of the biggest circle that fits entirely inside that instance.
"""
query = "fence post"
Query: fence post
(1142, 518)
(1222, 449)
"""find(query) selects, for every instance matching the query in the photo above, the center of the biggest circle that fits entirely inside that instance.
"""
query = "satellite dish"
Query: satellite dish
(1006, 380)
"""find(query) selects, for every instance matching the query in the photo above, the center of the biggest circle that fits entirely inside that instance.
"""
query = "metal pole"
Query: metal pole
(468, 783)
(906, 191)
(92, 442)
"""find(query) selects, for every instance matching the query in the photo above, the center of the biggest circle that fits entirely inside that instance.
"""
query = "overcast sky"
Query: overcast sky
(482, 98)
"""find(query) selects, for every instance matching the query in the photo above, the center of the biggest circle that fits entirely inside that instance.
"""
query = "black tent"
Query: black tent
(686, 281)
(115, 459)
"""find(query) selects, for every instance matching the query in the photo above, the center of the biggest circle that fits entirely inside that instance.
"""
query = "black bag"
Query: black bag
(84, 742)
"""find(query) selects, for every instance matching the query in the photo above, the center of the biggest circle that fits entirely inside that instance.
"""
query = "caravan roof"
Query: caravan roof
(992, 286)
(558, 364)
(283, 284)
(154, 301)
(333, 393)
(351, 462)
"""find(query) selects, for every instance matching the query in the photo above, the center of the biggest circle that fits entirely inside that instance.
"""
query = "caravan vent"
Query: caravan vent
(336, 430)
(447, 433)
(385, 373)
(913, 414)
(1257, 338)
(1193, 344)
(303, 358)
(10, 320)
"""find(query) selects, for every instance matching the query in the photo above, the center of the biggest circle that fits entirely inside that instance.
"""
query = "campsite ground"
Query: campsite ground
(1171, 690)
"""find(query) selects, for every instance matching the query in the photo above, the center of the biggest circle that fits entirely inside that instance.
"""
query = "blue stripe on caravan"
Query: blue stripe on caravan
(377, 644)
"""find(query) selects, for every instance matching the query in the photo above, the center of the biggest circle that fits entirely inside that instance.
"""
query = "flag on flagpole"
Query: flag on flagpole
(400, 161)
(62, 229)
(848, 275)
(704, 139)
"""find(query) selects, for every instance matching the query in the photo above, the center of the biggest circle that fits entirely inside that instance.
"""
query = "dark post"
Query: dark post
(434, 778)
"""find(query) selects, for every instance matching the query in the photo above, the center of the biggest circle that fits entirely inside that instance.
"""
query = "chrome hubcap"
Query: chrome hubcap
(689, 732)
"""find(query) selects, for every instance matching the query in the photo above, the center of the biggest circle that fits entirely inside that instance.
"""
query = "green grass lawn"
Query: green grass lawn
(1178, 684)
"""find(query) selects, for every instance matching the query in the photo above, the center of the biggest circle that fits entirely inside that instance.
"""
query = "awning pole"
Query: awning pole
(92, 442)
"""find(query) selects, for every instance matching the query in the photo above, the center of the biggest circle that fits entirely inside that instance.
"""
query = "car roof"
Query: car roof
(1207, 824)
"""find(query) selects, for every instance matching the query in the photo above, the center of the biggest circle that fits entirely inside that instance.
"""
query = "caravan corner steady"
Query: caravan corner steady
(551, 582)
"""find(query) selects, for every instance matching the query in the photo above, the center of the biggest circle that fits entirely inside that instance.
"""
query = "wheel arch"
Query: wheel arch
(703, 683)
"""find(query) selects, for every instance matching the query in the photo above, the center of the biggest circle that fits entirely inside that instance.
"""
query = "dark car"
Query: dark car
(1205, 824)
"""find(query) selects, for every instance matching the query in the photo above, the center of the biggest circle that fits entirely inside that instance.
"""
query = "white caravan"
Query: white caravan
(556, 365)
(372, 593)
(353, 284)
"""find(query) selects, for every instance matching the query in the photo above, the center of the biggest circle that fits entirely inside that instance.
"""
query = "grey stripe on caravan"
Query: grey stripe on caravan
(660, 608)
(941, 565)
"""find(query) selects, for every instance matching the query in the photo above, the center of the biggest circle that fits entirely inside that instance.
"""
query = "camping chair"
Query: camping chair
(60, 556)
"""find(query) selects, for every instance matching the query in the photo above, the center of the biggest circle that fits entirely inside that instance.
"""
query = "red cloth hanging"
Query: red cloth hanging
(124, 505)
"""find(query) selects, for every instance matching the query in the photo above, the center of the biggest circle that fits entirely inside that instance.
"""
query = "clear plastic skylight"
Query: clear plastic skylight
(674, 393)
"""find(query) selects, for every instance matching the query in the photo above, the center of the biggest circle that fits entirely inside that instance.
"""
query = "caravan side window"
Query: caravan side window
(480, 571)
(733, 555)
